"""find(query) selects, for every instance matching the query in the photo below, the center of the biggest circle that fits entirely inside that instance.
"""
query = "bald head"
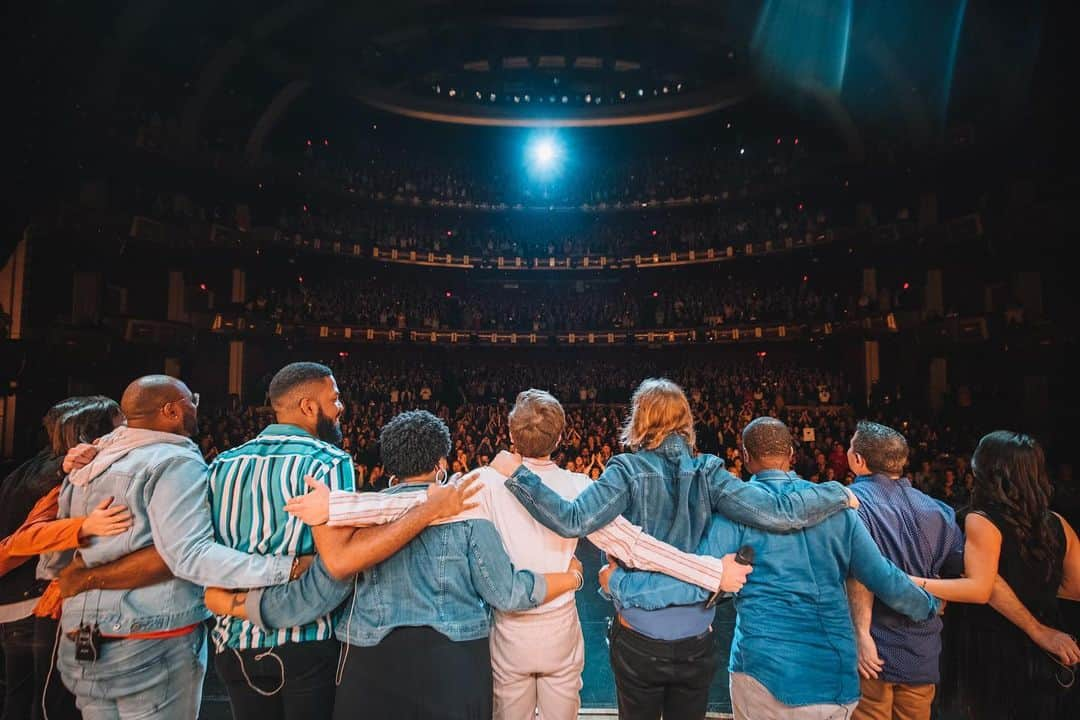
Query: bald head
(767, 444)
(160, 402)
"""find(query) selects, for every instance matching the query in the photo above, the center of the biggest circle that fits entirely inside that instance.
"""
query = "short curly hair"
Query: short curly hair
(413, 443)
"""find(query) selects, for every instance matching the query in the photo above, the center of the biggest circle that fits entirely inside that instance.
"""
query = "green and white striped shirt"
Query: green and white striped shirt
(248, 487)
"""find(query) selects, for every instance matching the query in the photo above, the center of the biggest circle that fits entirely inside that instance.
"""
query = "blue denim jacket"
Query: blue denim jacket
(673, 495)
(164, 487)
(794, 632)
(315, 594)
(447, 578)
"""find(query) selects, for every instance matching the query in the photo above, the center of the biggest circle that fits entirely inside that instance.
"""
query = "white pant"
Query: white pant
(750, 700)
(536, 662)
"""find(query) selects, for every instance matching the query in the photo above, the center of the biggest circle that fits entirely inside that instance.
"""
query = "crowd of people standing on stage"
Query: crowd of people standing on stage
(126, 557)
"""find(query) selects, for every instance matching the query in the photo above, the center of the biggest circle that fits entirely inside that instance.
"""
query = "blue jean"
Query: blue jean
(132, 679)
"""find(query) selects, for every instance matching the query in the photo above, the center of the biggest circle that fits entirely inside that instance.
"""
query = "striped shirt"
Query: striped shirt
(249, 486)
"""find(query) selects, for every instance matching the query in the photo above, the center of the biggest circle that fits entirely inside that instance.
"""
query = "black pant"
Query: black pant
(416, 673)
(28, 657)
(308, 690)
(654, 677)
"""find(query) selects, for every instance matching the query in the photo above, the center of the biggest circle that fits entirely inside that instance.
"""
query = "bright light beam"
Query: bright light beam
(544, 155)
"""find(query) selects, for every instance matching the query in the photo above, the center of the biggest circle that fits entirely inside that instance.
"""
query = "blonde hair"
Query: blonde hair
(537, 421)
(658, 408)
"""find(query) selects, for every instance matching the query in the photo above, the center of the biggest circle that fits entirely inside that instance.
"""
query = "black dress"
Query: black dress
(991, 669)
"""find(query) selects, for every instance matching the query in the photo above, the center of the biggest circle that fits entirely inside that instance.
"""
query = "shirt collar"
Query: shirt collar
(285, 429)
(881, 478)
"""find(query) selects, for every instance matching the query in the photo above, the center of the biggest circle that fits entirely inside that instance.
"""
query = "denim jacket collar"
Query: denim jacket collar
(767, 475)
(672, 447)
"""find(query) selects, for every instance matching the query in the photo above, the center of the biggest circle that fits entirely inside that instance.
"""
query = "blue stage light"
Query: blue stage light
(544, 154)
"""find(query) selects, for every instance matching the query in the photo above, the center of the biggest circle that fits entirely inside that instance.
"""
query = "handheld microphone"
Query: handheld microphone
(745, 556)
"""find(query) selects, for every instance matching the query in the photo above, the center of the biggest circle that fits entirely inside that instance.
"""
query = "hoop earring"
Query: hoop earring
(392, 481)
(441, 480)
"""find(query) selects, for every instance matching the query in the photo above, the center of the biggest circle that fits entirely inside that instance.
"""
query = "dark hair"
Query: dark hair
(884, 449)
(53, 414)
(1011, 482)
(767, 437)
(293, 376)
(413, 443)
(93, 417)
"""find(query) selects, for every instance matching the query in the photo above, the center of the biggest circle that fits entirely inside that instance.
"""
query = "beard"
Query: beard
(328, 430)
(191, 425)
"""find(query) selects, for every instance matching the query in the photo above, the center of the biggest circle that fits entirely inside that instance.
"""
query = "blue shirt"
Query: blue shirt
(920, 535)
(793, 633)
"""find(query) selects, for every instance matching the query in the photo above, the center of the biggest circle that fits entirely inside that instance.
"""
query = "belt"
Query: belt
(158, 635)
(626, 624)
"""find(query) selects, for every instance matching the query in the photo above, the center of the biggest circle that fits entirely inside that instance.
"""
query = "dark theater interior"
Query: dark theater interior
(527, 359)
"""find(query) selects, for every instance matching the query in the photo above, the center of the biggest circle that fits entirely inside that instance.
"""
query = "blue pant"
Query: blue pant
(131, 679)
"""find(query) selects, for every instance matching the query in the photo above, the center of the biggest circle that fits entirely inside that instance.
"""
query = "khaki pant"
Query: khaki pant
(536, 662)
(894, 701)
(750, 700)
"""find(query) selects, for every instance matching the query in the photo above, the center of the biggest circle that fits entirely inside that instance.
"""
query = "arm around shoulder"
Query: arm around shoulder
(982, 551)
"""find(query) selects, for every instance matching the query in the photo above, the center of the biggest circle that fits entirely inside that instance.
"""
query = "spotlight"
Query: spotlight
(491, 97)
(588, 97)
(622, 94)
(544, 154)
(478, 96)
(452, 92)
(640, 93)
(517, 99)
(526, 98)
(742, 151)
(564, 98)
(666, 90)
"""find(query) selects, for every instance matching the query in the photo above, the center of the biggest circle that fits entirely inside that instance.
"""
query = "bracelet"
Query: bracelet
(580, 580)
(923, 585)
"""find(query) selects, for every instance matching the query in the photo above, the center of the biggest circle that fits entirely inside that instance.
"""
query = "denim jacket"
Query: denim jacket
(447, 578)
(315, 594)
(673, 495)
(164, 486)
(794, 632)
